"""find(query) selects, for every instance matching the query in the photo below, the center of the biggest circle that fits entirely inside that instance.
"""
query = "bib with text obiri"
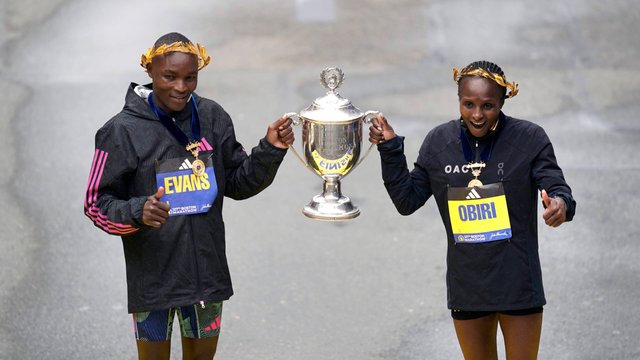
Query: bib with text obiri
(184, 191)
(479, 214)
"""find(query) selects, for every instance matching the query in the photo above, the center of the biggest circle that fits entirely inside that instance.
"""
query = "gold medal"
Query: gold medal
(197, 166)
(476, 169)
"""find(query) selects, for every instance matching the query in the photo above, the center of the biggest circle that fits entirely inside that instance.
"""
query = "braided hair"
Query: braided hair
(487, 66)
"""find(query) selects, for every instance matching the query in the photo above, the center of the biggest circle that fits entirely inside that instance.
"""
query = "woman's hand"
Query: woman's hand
(380, 130)
(555, 212)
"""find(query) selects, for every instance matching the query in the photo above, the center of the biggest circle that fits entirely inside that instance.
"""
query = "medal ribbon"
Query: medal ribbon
(168, 123)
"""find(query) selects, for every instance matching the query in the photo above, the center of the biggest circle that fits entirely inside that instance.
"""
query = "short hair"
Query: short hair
(170, 38)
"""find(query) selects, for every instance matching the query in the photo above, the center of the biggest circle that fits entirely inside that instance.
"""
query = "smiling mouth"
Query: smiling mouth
(477, 125)
(181, 98)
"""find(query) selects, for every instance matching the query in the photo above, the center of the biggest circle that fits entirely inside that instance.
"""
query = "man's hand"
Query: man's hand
(155, 212)
(280, 133)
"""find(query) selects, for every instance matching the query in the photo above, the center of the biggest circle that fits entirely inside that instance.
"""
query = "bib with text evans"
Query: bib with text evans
(186, 192)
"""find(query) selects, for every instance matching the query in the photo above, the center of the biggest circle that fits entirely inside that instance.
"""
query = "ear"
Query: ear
(149, 70)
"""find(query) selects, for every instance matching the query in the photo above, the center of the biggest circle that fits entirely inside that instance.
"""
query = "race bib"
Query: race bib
(186, 192)
(479, 214)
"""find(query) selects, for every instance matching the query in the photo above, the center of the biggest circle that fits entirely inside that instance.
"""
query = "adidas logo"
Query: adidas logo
(204, 145)
(186, 164)
(473, 194)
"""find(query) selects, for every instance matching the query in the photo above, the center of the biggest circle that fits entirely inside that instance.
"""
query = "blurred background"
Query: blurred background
(368, 288)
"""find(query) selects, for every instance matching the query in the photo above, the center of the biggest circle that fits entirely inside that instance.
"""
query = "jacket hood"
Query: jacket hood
(135, 102)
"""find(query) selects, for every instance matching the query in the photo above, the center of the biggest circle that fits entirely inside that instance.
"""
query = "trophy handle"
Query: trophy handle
(297, 120)
(368, 117)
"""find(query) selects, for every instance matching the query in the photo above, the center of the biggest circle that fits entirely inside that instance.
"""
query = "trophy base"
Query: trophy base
(331, 209)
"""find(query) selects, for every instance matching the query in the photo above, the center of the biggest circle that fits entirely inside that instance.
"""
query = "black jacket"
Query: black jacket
(491, 276)
(183, 262)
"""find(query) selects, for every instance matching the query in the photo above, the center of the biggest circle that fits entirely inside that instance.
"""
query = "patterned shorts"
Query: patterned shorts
(471, 315)
(196, 321)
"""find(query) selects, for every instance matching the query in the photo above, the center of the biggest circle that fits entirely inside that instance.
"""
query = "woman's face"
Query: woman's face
(481, 100)
(175, 77)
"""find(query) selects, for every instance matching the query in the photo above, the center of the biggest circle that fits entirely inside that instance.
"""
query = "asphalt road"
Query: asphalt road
(369, 288)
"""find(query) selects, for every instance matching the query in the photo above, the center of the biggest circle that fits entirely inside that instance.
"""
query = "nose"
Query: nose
(181, 86)
(477, 114)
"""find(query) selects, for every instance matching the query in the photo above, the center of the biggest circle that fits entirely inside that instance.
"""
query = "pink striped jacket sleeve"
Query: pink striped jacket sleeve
(91, 209)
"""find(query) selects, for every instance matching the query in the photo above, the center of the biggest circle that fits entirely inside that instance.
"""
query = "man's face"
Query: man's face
(175, 77)
(480, 103)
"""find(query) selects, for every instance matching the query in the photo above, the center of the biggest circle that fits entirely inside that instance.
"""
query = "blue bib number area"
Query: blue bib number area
(479, 214)
(185, 192)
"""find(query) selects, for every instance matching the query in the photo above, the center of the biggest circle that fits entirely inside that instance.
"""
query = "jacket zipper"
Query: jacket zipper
(195, 259)
(477, 153)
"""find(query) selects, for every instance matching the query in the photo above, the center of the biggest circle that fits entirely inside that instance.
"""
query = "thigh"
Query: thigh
(200, 327)
(153, 325)
(521, 335)
(154, 350)
(199, 349)
(477, 337)
(200, 321)
(153, 334)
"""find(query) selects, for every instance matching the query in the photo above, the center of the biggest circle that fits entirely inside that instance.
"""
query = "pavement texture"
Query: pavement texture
(368, 288)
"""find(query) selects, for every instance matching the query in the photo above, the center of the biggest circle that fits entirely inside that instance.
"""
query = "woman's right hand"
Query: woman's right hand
(380, 130)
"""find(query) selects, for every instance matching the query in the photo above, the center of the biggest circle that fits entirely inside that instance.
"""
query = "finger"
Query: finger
(284, 131)
(286, 125)
(153, 224)
(548, 215)
(554, 216)
(164, 207)
(281, 121)
(159, 193)
(153, 220)
(384, 124)
(545, 198)
(554, 221)
(288, 139)
(376, 139)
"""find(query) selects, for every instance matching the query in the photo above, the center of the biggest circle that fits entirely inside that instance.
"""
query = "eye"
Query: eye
(468, 104)
(169, 77)
(488, 106)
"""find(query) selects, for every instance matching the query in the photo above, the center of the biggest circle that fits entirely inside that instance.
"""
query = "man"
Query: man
(160, 171)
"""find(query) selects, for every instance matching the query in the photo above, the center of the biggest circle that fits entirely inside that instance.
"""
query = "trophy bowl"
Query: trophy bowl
(332, 143)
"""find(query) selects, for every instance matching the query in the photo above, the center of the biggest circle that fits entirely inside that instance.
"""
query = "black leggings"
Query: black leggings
(470, 315)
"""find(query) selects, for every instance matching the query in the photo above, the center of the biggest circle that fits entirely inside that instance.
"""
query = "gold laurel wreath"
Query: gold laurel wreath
(178, 46)
(499, 79)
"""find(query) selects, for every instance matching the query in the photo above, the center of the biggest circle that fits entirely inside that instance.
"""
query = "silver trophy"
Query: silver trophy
(331, 140)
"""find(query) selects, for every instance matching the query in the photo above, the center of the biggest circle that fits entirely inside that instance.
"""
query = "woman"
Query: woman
(160, 171)
(484, 171)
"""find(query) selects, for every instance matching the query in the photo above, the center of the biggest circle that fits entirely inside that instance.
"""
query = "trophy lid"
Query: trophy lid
(332, 107)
